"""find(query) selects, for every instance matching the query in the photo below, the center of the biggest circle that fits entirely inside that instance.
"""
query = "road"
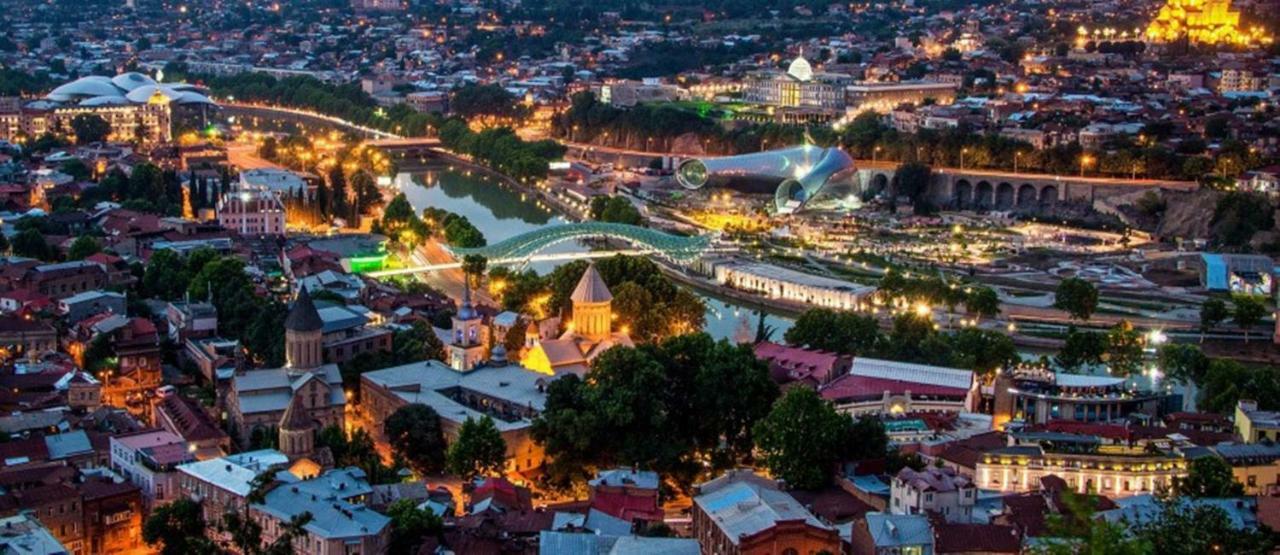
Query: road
(245, 157)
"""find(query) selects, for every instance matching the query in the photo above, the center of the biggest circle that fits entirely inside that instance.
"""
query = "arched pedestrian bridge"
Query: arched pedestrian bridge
(523, 246)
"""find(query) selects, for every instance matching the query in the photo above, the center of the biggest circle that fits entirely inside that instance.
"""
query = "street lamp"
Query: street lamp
(963, 151)
(874, 152)
(1085, 160)
(1016, 156)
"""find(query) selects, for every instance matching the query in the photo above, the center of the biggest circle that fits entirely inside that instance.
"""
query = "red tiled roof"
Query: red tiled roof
(628, 507)
(851, 387)
(800, 363)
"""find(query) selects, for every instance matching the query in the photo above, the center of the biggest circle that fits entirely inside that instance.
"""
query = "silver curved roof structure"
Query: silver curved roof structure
(126, 88)
(795, 175)
(132, 80)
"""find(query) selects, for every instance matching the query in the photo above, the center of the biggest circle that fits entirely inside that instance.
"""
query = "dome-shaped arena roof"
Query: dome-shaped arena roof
(85, 87)
(126, 88)
(132, 80)
(105, 101)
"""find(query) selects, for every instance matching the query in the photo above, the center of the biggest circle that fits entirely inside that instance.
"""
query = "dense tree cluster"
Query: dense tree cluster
(257, 321)
(147, 189)
(912, 338)
(416, 436)
(615, 209)
(500, 149)
(489, 104)
(803, 437)
(662, 406)
(457, 230)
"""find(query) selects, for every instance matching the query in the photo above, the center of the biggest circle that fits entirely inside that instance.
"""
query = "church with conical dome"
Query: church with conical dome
(589, 332)
(274, 404)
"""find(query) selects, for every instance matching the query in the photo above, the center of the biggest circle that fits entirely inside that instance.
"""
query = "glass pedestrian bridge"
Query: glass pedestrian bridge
(526, 245)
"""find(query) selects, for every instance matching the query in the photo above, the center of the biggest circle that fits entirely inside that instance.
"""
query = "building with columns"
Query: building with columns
(1082, 461)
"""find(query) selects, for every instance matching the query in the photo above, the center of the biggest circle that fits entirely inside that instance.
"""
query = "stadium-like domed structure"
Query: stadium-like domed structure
(123, 89)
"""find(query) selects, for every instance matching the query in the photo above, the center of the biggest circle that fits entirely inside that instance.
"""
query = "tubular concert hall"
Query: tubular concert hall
(800, 177)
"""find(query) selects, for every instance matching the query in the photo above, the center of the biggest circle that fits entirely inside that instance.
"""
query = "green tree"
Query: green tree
(1124, 349)
(983, 301)
(410, 525)
(1212, 312)
(835, 331)
(801, 438)
(1076, 296)
(397, 216)
(30, 243)
(1183, 363)
(1081, 348)
(982, 351)
(913, 180)
(1189, 528)
(1209, 477)
(478, 451)
(416, 344)
(1247, 311)
(178, 528)
(83, 247)
(1238, 216)
(1074, 530)
(473, 267)
(416, 436)
(90, 128)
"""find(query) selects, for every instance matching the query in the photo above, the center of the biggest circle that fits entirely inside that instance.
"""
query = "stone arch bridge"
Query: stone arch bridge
(996, 190)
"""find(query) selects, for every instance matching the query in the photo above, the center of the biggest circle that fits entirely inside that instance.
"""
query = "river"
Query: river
(501, 212)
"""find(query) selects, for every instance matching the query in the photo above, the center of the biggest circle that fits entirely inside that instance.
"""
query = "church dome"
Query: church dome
(800, 69)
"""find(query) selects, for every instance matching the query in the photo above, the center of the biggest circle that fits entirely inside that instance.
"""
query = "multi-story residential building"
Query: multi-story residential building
(933, 490)
(186, 418)
(221, 485)
(188, 319)
(349, 332)
(892, 534)
(82, 305)
(20, 336)
(252, 213)
(1237, 78)
(741, 513)
(63, 279)
(149, 460)
(1256, 466)
(1081, 461)
(340, 524)
(1253, 425)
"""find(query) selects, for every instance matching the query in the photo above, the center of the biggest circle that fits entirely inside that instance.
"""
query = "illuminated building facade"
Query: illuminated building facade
(1081, 461)
(137, 107)
(1203, 21)
(799, 87)
(252, 213)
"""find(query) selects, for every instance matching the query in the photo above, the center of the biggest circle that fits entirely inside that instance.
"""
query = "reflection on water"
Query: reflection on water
(501, 213)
